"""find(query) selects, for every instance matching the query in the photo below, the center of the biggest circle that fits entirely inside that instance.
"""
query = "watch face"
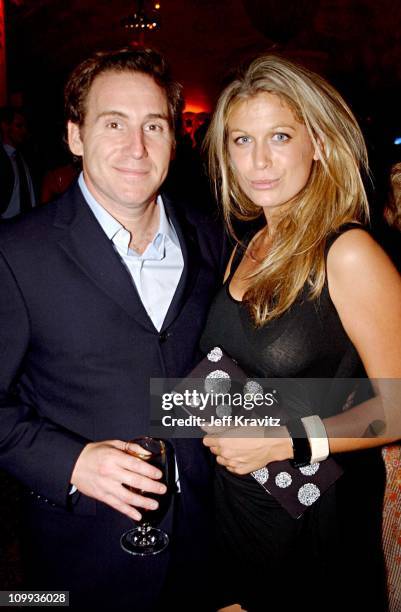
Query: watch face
(299, 463)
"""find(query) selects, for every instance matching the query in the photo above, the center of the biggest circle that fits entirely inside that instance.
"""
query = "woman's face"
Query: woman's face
(270, 151)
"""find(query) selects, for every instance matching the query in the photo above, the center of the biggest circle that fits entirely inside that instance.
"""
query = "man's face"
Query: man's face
(126, 140)
(14, 133)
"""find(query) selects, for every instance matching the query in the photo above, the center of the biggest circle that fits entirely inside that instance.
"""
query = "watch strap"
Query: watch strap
(300, 443)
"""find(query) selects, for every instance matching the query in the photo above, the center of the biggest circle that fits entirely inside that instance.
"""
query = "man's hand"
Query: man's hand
(102, 470)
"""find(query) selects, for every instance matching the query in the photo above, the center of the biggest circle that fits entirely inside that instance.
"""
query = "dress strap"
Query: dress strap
(240, 249)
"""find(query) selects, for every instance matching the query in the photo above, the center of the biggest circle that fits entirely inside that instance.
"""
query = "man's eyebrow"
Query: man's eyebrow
(112, 113)
(116, 113)
(157, 116)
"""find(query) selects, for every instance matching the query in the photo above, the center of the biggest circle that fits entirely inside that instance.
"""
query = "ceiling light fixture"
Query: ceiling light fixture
(145, 17)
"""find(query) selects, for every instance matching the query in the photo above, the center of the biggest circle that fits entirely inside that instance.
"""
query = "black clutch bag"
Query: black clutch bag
(219, 378)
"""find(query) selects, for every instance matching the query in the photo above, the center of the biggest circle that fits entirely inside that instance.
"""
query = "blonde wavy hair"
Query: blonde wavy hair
(392, 211)
(334, 193)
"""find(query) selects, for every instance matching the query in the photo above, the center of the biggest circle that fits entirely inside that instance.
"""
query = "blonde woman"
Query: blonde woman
(311, 295)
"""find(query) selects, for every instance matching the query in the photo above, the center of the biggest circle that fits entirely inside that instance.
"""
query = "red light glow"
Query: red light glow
(197, 99)
(195, 107)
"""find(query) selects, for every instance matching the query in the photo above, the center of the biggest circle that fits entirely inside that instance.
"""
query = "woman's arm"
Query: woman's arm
(366, 291)
(365, 288)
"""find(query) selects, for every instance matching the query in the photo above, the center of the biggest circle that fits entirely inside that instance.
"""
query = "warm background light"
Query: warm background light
(197, 100)
(191, 107)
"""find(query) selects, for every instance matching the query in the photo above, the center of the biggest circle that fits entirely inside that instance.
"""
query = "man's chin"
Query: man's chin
(138, 200)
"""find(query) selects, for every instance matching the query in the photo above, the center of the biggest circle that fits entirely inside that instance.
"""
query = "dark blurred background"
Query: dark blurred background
(355, 43)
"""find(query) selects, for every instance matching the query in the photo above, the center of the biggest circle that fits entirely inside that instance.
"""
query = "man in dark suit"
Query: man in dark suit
(102, 290)
(16, 187)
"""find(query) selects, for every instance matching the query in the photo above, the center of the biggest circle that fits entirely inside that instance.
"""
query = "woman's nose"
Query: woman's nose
(262, 155)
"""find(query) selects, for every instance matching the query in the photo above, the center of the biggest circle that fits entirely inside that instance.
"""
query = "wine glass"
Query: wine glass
(145, 539)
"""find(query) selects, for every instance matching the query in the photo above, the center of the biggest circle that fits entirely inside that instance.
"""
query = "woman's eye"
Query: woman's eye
(280, 137)
(242, 140)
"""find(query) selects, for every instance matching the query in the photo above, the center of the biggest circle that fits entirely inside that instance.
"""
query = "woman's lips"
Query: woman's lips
(264, 184)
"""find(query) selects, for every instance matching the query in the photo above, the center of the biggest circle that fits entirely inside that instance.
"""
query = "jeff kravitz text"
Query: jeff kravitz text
(225, 421)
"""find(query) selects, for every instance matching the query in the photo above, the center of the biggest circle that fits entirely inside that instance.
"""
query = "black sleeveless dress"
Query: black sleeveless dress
(330, 558)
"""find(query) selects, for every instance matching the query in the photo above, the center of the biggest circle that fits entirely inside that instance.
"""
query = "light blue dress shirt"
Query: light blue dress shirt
(157, 271)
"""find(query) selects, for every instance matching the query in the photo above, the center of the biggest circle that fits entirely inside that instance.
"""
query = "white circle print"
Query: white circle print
(283, 480)
(223, 410)
(309, 470)
(252, 387)
(215, 354)
(261, 475)
(218, 381)
(308, 494)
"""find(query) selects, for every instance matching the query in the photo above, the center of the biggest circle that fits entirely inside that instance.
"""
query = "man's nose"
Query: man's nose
(136, 144)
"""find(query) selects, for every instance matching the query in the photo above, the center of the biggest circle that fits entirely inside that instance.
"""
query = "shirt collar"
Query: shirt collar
(121, 237)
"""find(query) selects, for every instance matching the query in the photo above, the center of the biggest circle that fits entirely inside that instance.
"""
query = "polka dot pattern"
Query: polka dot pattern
(215, 354)
(283, 480)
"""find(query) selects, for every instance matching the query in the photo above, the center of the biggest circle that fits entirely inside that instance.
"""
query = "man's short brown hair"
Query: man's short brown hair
(145, 61)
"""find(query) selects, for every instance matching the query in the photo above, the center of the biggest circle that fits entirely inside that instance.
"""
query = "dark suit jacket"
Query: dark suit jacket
(7, 180)
(77, 349)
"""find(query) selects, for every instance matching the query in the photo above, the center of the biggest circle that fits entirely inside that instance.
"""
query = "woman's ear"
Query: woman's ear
(321, 147)
(74, 138)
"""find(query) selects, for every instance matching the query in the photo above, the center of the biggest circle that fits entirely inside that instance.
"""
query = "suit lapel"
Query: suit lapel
(88, 246)
(191, 254)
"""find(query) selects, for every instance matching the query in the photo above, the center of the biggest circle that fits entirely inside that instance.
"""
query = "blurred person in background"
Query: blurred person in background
(17, 193)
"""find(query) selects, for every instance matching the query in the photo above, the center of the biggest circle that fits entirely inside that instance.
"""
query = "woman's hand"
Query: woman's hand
(242, 455)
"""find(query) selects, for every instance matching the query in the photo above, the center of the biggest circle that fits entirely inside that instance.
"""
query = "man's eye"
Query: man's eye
(281, 137)
(153, 127)
(114, 125)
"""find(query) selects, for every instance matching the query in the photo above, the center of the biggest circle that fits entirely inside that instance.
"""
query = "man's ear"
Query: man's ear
(74, 139)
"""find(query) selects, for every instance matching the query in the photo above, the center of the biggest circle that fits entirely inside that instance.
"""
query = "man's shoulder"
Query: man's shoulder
(37, 224)
(188, 215)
